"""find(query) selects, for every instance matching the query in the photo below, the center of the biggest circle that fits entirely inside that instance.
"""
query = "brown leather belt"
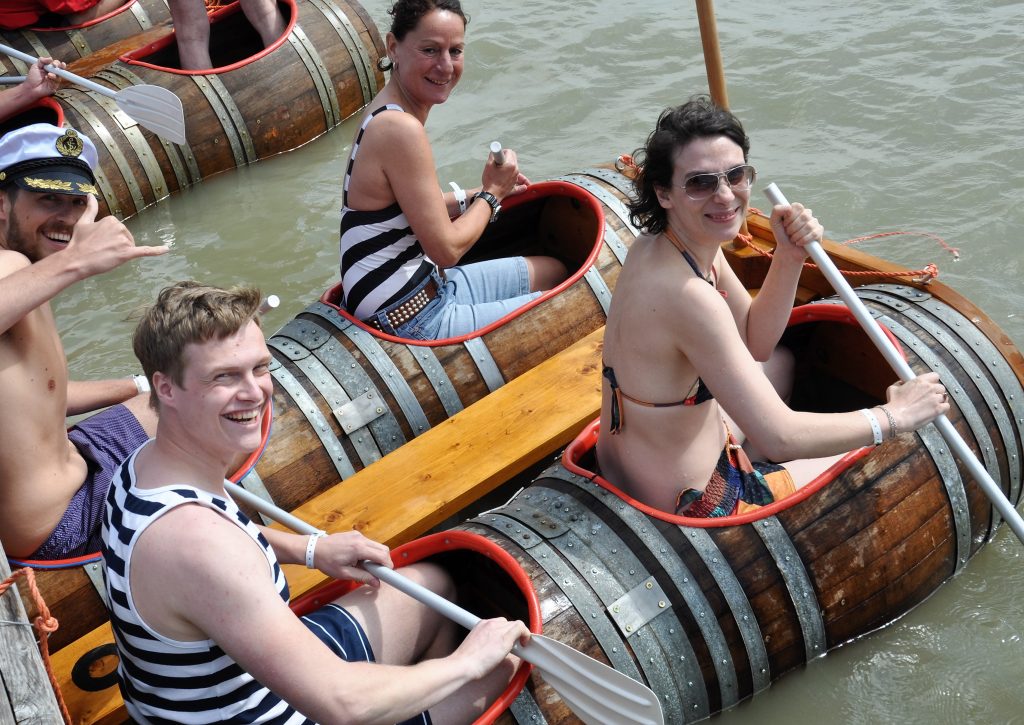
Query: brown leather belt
(408, 309)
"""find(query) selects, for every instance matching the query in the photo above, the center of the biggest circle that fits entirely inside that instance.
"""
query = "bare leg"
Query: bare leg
(545, 273)
(192, 30)
(403, 631)
(265, 16)
(98, 10)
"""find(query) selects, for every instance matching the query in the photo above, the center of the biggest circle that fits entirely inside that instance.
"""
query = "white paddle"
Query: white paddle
(153, 107)
(596, 693)
(892, 356)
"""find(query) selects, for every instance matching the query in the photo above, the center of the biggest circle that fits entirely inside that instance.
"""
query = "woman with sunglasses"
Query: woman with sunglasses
(691, 363)
(400, 236)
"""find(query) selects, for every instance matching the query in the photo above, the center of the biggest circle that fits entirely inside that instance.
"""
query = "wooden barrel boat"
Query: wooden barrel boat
(325, 362)
(257, 103)
(709, 612)
(71, 42)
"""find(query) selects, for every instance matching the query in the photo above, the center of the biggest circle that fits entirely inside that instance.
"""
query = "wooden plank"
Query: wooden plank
(424, 482)
(26, 695)
(436, 475)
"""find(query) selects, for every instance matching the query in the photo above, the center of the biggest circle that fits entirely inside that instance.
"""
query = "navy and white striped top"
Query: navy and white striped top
(381, 259)
(165, 680)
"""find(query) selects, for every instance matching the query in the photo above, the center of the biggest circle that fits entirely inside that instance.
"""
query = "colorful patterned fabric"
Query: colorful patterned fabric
(736, 486)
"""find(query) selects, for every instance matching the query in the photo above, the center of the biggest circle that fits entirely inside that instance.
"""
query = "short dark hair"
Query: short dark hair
(677, 126)
(190, 312)
(406, 14)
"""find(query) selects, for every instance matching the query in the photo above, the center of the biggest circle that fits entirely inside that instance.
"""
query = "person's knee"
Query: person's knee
(433, 577)
(545, 272)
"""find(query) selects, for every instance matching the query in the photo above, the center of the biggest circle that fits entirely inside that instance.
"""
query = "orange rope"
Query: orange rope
(45, 623)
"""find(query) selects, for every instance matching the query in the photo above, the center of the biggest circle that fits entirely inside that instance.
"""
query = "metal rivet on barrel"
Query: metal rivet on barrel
(629, 627)
(661, 604)
(702, 615)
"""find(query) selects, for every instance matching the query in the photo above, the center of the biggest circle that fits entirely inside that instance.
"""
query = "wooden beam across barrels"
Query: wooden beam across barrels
(256, 103)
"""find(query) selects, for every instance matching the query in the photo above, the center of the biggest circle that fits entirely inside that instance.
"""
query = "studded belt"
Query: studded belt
(408, 309)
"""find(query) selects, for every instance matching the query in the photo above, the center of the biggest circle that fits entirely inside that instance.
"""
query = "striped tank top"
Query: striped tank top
(165, 680)
(381, 259)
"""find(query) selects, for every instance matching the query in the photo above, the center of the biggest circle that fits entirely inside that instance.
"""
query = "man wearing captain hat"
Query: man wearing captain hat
(53, 480)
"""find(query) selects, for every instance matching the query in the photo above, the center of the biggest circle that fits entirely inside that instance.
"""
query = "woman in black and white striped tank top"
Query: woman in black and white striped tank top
(397, 231)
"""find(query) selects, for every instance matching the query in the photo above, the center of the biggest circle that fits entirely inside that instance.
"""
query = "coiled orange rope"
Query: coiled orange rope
(44, 623)
(626, 166)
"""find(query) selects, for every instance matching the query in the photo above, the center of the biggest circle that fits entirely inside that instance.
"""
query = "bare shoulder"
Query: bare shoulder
(195, 540)
(11, 262)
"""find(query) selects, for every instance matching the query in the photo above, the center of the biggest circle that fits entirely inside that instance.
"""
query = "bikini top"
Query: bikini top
(697, 394)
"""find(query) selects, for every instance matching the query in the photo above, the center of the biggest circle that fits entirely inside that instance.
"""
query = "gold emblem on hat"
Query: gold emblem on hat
(70, 144)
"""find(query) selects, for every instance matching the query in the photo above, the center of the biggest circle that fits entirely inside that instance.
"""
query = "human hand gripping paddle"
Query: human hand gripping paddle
(596, 693)
(153, 107)
(898, 364)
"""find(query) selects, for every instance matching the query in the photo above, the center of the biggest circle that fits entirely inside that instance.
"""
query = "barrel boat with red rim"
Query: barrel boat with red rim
(709, 612)
(257, 102)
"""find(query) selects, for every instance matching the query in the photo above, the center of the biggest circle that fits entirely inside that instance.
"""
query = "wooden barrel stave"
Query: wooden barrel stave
(849, 558)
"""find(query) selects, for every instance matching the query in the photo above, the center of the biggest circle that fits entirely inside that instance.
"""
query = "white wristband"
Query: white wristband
(460, 196)
(141, 383)
(311, 548)
(876, 429)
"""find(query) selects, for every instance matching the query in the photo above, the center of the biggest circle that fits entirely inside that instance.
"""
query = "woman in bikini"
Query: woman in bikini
(401, 238)
(691, 364)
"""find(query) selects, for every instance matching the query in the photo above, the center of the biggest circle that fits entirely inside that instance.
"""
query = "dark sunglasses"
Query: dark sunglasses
(701, 186)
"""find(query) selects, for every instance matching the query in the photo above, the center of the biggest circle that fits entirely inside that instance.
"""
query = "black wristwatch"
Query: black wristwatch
(492, 200)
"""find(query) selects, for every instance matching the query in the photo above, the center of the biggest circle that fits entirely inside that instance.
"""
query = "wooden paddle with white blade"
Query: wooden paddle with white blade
(900, 366)
(595, 692)
(155, 108)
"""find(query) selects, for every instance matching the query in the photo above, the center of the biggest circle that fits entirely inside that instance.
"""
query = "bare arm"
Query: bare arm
(196, 574)
(37, 84)
(713, 345)
(95, 247)
(399, 151)
(85, 396)
(762, 321)
(336, 555)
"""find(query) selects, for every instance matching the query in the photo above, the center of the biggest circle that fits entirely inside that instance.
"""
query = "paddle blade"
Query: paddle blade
(155, 108)
(596, 693)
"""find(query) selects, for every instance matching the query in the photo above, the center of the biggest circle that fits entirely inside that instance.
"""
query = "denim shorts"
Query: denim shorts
(470, 297)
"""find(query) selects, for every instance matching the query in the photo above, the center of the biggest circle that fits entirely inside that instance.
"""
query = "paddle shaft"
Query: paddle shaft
(903, 370)
(438, 603)
(498, 153)
(76, 79)
(12, 80)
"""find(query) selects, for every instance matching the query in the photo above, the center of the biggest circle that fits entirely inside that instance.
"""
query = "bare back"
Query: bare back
(39, 467)
(663, 314)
